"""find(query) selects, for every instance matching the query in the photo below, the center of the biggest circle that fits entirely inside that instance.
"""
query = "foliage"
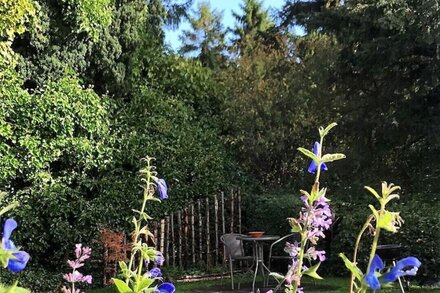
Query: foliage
(249, 26)
(206, 39)
(14, 17)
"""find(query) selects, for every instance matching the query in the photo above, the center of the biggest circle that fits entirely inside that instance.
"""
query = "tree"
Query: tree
(206, 38)
(249, 25)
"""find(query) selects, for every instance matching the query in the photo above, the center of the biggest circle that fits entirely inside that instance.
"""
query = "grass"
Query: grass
(330, 285)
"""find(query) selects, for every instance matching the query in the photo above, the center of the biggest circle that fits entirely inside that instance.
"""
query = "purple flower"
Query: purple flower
(371, 278)
(313, 167)
(319, 220)
(292, 248)
(154, 273)
(159, 259)
(166, 288)
(316, 254)
(162, 188)
(21, 257)
(410, 264)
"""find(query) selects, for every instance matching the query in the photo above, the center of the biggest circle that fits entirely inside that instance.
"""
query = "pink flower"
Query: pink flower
(73, 277)
(87, 279)
(78, 250)
(74, 264)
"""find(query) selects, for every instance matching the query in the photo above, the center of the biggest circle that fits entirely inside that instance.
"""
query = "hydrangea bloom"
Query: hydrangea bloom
(21, 257)
(313, 167)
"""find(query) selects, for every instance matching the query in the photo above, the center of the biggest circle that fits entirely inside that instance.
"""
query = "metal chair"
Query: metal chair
(234, 252)
(292, 237)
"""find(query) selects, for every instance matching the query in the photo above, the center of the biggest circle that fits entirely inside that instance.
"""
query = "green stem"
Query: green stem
(375, 242)
(356, 248)
(376, 237)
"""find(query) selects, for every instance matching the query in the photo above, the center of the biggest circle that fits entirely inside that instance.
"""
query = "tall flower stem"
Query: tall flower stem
(304, 236)
(137, 222)
(356, 248)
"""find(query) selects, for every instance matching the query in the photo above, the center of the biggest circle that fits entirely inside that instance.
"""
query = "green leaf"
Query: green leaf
(122, 286)
(15, 289)
(9, 207)
(296, 226)
(323, 132)
(374, 192)
(390, 221)
(332, 157)
(5, 256)
(312, 272)
(352, 267)
(142, 283)
(309, 154)
(375, 212)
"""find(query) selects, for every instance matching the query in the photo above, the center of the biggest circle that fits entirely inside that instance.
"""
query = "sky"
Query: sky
(172, 37)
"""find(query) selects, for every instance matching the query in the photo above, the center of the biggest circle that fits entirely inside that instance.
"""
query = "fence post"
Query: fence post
(167, 248)
(208, 235)
(239, 210)
(216, 228)
(193, 234)
(179, 224)
(185, 233)
(200, 230)
(173, 239)
(162, 235)
(223, 222)
(232, 210)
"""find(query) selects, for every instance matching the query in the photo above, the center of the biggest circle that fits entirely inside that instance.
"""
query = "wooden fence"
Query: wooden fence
(187, 237)
(191, 236)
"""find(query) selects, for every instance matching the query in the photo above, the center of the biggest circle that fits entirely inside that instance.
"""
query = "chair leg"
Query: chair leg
(400, 281)
(232, 273)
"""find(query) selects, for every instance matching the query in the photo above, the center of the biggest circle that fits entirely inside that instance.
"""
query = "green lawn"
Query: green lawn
(331, 285)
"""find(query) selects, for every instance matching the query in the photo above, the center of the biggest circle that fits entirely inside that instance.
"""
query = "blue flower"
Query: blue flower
(371, 278)
(313, 167)
(162, 188)
(410, 264)
(154, 273)
(21, 257)
(166, 288)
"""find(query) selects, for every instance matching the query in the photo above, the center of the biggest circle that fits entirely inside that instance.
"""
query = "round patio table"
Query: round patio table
(258, 253)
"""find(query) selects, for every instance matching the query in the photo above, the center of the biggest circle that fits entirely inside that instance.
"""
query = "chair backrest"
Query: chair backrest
(287, 238)
(233, 246)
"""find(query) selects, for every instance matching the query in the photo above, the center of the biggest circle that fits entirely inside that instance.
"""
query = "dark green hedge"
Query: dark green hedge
(419, 234)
